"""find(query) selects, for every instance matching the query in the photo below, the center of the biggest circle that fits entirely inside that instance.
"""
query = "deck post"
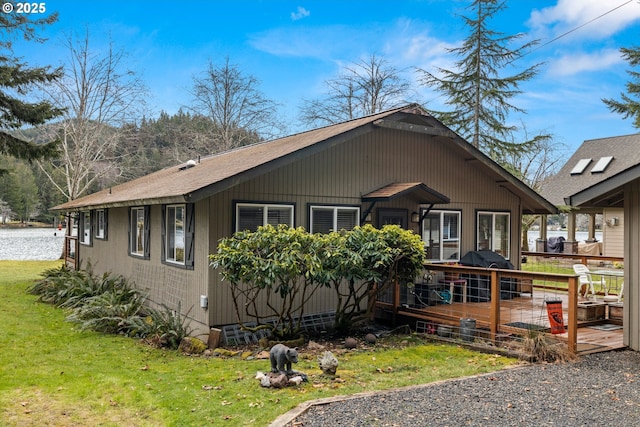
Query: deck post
(494, 315)
(572, 326)
(396, 300)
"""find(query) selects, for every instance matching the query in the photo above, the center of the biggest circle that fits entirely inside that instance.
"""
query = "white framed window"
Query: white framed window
(139, 232)
(493, 233)
(250, 216)
(85, 228)
(101, 224)
(175, 234)
(441, 235)
(325, 219)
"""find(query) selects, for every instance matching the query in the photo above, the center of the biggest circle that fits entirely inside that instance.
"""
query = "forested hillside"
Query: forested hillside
(26, 193)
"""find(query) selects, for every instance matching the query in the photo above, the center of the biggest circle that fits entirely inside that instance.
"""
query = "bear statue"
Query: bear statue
(282, 357)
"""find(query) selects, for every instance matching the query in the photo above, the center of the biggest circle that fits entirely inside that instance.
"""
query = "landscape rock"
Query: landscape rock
(350, 343)
(315, 346)
(328, 363)
(190, 345)
(279, 380)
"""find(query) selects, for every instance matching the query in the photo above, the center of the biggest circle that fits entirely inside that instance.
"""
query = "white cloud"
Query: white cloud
(300, 13)
(571, 14)
(584, 62)
(304, 42)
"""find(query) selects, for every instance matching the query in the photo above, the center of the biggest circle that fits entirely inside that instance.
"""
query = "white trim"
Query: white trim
(335, 210)
(494, 235)
(100, 225)
(172, 259)
(85, 237)
(139, 234)
(265, 211)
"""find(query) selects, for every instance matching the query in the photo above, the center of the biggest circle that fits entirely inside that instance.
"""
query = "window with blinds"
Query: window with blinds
(325, 219)
(250, 216)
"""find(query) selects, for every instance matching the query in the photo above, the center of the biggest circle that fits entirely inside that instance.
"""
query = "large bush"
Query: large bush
(274, 271)
(386, 256)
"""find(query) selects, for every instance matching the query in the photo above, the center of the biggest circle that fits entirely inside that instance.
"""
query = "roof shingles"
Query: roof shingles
(626, 154)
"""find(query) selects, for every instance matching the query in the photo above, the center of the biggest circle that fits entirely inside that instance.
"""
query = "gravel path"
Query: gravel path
(601, 389)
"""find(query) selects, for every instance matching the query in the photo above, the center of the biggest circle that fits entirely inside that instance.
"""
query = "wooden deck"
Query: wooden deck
(522, 313)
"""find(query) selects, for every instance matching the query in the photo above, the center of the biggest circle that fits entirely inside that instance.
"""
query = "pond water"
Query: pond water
(581, 236)
(46, 243)
(31, 243)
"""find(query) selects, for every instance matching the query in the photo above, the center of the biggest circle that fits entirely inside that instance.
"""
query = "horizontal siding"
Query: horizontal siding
(613, 235)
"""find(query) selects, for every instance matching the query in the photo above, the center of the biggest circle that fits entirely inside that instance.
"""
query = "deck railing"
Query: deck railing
(487, 295)
(70, 251)
(613, 267)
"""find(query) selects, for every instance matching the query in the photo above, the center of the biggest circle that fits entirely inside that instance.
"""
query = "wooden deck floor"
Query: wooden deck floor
(524, 313)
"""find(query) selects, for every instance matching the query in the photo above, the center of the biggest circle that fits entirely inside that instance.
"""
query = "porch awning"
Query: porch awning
(417, 191)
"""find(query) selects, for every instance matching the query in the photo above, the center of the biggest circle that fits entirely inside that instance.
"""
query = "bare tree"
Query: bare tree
(100, 96)
(365, 87)
(232, 101)
(533, 167)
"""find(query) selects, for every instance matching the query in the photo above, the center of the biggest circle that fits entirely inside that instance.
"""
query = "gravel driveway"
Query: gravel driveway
(601, 389)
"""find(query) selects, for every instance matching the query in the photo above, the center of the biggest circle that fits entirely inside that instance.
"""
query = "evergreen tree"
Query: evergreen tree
(476, 91)
(628, 106)
(16, 78)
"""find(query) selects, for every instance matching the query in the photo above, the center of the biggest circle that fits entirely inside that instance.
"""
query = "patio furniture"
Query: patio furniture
(585, 279)
(614, 273)
(456, 283)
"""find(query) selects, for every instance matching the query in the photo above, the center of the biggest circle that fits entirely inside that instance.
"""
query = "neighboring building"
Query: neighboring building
(400, 166)
(622, 190)
(595, 161)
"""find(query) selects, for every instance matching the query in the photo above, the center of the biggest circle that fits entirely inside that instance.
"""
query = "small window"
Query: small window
(493, 232)
(441, 235)
(325, 219)
(175, 234)
(101, 224)
(85, 227)
(178, 231)
(602, 164)
(580, 166)
(139, 232)
(250, 216)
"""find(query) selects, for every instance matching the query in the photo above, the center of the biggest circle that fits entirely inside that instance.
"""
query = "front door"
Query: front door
(393, 216)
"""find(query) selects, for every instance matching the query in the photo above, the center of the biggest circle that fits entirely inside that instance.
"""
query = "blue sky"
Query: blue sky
(292, 47)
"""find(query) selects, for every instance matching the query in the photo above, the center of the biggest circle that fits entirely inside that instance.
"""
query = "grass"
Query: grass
(559, 266)
(53, 374)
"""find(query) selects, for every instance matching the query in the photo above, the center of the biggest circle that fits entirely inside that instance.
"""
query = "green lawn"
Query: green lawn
(52, 374)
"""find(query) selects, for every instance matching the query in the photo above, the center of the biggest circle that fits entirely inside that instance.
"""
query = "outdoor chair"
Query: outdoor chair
(586, 280)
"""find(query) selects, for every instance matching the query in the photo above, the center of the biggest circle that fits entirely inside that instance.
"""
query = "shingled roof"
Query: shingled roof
(595, 161)
(193, 181)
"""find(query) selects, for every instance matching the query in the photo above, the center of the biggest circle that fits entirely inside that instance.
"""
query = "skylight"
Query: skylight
(602, 164)
(580, 166)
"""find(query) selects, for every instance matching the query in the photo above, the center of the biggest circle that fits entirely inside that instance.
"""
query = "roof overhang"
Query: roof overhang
(607, 193)
(417, 191)
(531, 202)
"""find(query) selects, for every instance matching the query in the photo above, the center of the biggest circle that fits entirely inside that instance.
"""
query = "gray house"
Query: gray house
(622, 190)
(400, 166)
(595, 161)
